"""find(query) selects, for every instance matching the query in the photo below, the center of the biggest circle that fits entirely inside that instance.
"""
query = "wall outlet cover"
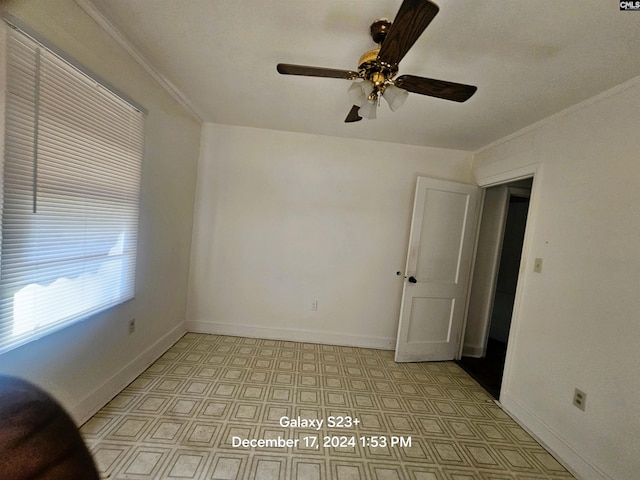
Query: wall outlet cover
(580, 399)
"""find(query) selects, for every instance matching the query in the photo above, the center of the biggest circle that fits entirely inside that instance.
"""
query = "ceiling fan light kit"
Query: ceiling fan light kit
(377, 68)
(394, 96)
(359, 91)
(368, 109)
(363, 92)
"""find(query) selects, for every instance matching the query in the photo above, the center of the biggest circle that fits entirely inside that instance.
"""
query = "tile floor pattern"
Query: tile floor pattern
(178, 419)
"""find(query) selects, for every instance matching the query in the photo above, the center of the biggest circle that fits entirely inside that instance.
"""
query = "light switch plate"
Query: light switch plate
(537, 266)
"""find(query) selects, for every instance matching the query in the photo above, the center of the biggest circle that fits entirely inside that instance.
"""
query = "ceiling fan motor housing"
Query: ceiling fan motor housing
(369, 67)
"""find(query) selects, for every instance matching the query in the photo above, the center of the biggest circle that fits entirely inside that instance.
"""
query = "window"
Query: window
(70, 194)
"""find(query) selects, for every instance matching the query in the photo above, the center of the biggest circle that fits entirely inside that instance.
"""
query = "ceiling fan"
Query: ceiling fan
(378, 67)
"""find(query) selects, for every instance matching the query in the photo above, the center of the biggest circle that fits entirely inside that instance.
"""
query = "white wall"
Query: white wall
(576, 323)
(86, 364)
(283, 219)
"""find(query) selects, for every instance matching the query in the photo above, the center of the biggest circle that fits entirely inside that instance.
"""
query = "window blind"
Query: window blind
(70, 195)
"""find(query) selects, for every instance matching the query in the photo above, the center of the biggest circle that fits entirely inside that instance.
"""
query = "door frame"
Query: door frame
(489, 245)
(491, 294)
(533, 171)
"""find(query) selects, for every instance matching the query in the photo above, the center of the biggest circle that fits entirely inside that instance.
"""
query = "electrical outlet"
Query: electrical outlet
(132, 326)
(314, 305)
(580, 399)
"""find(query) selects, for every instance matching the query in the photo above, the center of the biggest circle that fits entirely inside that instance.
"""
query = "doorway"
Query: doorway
(497, 265)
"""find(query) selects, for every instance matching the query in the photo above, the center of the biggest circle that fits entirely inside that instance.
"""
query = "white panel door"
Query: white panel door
(443, 230)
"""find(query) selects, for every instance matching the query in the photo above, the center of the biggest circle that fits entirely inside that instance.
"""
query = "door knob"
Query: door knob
(413, 280)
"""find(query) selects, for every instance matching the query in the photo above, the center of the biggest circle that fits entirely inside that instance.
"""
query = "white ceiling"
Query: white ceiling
(529, 59)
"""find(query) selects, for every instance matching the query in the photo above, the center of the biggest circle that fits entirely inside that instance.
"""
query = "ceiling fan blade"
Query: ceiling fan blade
(457, 92)
(411, 20)
(353, 115)
(288, 69)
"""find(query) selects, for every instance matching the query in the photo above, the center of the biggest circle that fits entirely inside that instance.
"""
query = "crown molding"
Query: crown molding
(563, 113)
(91, 10)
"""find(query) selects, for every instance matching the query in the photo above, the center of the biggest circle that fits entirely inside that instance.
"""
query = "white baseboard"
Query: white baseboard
(327, 338)
(472, 351)
(87, 407)
(577, 465)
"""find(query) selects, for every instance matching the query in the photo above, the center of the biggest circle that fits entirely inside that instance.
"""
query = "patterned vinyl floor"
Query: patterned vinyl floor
(218, 407)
